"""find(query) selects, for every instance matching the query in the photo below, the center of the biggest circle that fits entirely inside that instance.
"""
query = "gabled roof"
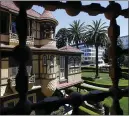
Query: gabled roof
(11, 6)
(70, 49)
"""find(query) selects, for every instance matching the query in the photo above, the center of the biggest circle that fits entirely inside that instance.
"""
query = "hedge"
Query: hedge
(84, 110)
(100, 84)
(93, 69)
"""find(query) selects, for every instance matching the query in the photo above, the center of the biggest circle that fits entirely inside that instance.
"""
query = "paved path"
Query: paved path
(92, 86)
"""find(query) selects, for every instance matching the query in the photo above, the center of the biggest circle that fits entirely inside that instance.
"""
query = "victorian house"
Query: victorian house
(49, 70)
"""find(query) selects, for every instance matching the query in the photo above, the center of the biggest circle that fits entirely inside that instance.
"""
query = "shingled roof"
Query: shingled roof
(70, 49)
(12, 7)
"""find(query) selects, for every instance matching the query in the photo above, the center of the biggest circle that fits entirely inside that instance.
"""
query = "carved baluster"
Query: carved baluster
(113, 33)
(22, 54)
(76, 100)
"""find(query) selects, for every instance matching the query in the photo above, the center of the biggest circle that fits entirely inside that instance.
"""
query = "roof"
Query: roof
(47, 14)
(12, 7)
(70, 49)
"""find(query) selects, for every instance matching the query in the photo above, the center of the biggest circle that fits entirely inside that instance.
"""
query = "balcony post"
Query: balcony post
(113, 33)
(22, 54)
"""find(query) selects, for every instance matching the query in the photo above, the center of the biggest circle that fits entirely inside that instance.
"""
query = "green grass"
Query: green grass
(104, 78)
(124, 104)
(123, 67)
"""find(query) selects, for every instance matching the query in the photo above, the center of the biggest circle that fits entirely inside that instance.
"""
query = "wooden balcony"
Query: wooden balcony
(13, 39)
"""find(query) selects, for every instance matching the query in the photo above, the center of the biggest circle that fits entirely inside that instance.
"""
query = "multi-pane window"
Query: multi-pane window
(44, 63)
(71, 62)
(71, 65)
(34, 28)
(77, 62)
(51, 64)
(30, 28)
(51, 60)
(38, 30)
(62, 67)
(4, 22)
(44, 60)
(74, 64)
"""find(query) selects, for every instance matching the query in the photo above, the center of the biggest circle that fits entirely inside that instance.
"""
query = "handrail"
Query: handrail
(75, 99)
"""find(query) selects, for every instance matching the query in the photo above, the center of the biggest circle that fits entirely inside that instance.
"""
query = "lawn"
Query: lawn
(104, 78)
(124, 104)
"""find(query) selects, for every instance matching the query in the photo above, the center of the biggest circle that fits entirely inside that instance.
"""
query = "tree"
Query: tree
(61, 37)
(77, 30)
(96, 34)
(120, 52)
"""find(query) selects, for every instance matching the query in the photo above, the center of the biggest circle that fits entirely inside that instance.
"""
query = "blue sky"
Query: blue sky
(64, 19)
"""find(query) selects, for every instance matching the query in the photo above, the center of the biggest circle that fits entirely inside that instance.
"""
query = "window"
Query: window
(30, 28)
(88, 50)
(51, 60)
(4, 22)
(62, 67)
(71, 65)
(62, 62)
(34, 28)
(13, 25)
(45, 60)
(38, 30)
(71, 62)
(14, 70)
(77, 62)
(29, 70)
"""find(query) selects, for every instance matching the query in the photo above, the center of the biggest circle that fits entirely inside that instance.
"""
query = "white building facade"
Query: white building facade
(89, 53)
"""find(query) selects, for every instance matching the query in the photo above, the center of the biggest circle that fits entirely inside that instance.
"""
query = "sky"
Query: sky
(64, 19)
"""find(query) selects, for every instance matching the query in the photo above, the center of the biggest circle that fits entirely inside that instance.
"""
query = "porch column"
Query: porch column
(66, 67)
(39, 66)
(113, 33)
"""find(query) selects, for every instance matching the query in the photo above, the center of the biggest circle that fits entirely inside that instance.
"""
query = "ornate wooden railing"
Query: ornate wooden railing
(22, 54)
(31, 80)
(13, 37)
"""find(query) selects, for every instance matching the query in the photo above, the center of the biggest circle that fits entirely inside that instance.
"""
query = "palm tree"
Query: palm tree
(77, 30)
(62, 36)
(96, 34)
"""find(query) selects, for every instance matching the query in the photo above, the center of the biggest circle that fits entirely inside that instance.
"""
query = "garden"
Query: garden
(94, 78)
